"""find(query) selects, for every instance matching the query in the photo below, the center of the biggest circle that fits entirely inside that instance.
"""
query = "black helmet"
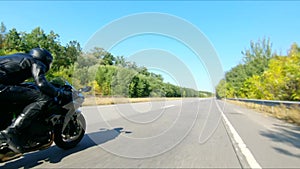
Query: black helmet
(42, 55)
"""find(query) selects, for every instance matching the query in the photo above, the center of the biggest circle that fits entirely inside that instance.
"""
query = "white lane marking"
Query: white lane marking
(98, 106)
(242, 146)
(168, 106)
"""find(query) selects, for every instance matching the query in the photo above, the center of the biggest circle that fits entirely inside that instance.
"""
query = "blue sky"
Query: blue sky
(228, 25)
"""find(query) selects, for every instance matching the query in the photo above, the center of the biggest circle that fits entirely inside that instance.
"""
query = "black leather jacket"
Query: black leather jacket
(16, 68)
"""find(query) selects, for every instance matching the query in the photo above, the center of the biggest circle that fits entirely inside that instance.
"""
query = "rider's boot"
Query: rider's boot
(2, 139)
(6, 151)
(12, 139)
(12, 135)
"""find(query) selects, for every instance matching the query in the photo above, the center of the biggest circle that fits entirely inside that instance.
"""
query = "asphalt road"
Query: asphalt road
(187, 133)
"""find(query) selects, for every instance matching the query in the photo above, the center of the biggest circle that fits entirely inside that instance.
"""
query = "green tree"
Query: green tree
(255, 63)
(2, 38)
(37, 38)
(121, 81)
(108, 59)
(221, 89)
(282, 79)
(139, 86)
(236, 77)
(71, 52)
(12, 41)
(104, 78)
(97, 52)
(121, 61)
(253, 88)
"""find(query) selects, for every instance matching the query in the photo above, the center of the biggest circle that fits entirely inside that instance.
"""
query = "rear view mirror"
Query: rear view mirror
(85, 89)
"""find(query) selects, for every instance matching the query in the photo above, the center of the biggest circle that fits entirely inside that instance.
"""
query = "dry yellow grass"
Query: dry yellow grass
(119, 100)
(291, 114)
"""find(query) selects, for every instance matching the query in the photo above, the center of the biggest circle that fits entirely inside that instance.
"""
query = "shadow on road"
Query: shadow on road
(54, 154)
(289, 135)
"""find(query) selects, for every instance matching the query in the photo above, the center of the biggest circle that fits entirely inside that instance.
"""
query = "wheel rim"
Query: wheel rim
(70, 134)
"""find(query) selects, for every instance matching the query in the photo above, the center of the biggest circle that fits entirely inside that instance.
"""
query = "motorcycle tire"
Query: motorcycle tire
(64, 141)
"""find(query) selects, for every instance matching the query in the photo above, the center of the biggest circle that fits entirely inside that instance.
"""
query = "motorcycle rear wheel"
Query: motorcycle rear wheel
(72, 135)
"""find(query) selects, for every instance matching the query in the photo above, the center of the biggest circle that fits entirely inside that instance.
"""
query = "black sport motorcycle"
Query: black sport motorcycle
(62, 123)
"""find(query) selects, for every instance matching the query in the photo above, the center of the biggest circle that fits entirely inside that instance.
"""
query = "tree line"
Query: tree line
(263, 74)
(109, 75)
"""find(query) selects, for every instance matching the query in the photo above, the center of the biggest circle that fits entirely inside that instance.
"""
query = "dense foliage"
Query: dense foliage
(264, 75)
(109, 75)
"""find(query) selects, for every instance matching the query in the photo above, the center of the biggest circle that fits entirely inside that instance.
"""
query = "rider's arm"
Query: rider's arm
(38, 73)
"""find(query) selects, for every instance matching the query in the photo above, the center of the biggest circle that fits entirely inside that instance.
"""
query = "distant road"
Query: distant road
(187, 133)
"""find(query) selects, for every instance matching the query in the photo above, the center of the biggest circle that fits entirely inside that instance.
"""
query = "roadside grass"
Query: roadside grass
(288, 114)
(92, 101)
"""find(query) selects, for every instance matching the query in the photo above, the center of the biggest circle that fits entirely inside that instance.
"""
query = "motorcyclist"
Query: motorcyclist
(15, 69)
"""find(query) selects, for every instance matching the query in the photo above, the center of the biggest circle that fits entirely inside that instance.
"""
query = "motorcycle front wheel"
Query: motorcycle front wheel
(72, 135)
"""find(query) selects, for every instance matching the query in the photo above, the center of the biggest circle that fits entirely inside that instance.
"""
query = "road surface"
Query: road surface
(187, 133)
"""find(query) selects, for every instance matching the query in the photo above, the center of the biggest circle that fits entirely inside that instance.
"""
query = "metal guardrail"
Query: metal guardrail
(268, 102)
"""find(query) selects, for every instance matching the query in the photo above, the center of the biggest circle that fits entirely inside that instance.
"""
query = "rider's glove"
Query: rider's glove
(64, 97)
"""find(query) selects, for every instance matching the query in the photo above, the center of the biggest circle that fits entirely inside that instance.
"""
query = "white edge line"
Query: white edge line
(168, 106)
(242, 146)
